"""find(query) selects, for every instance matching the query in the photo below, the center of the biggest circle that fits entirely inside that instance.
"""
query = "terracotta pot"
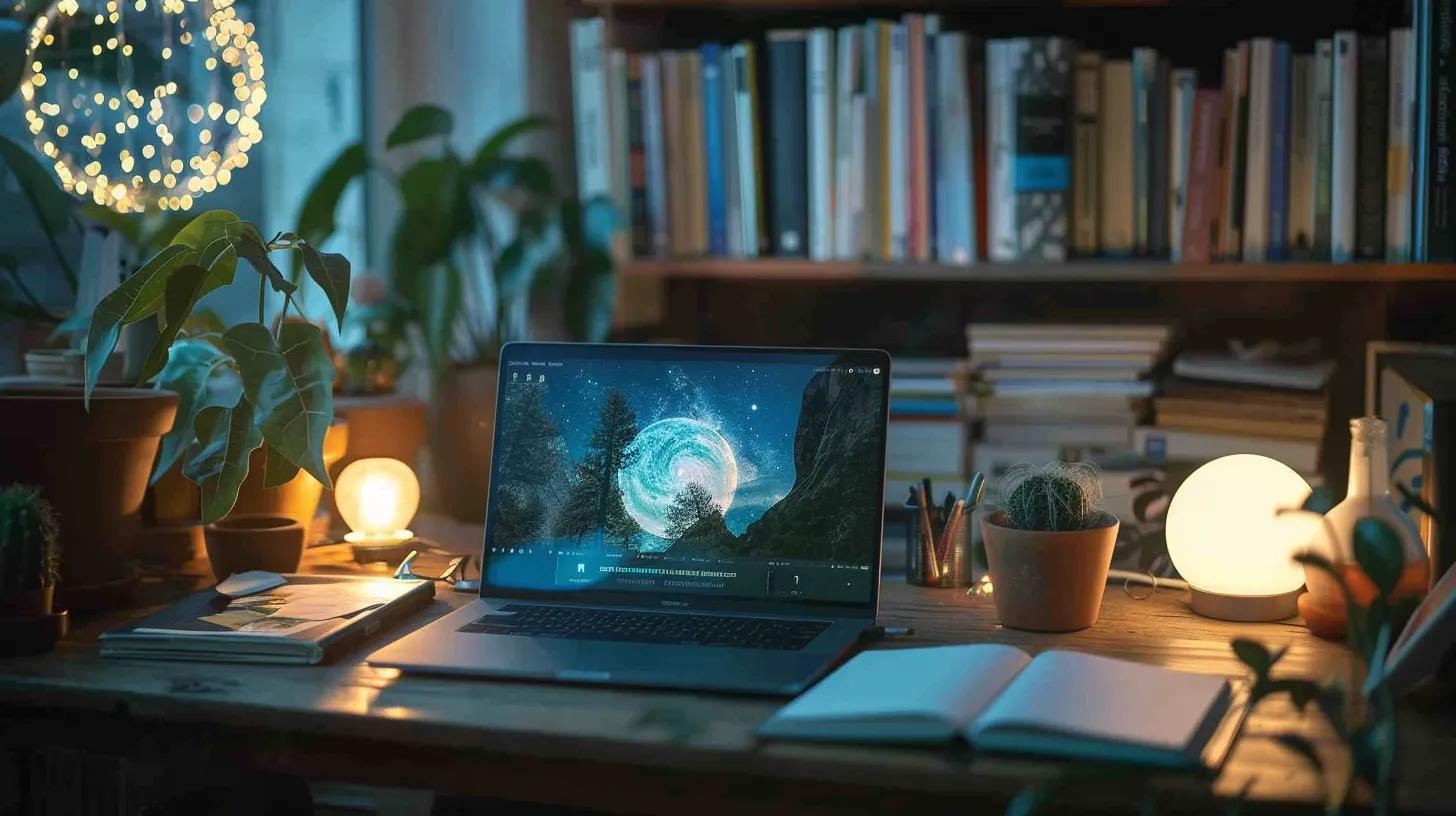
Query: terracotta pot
(92, 466)
(461, 432)
(298, 498)
(240, 543)
(1048, 581)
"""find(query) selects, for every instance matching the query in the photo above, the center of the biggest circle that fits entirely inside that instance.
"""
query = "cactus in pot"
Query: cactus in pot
(1055, 497)
(30, 555)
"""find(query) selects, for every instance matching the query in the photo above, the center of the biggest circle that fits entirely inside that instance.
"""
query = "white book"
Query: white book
(621, 155)
(869, 243)
(1115, 211)
(1400, 139)
(1300, 236)
(955, 222)
(652, 145)
(1342, 163)
(1060, 703)
(821, 143)
(1001, 56)
(746, 143)
(1182, 83)
(1256, 160)
(846, 77)
(1169, 445)
(899, 143)
(589, 106)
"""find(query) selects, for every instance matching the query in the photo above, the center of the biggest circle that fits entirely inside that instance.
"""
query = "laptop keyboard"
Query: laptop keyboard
(589, 623)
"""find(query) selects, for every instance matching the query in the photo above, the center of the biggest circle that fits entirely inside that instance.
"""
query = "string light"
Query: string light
(177, 131)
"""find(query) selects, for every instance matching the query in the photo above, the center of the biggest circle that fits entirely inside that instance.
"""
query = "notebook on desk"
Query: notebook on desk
(1059, 704)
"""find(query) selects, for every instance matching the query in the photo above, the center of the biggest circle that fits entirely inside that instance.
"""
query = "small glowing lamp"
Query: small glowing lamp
(378, 499)
(1229, 539)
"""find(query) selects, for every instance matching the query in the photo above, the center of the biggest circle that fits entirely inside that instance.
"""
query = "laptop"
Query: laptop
(673, 516)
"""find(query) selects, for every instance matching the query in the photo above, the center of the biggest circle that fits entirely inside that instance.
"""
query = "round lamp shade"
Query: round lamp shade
(1229, 540)
(378, 499)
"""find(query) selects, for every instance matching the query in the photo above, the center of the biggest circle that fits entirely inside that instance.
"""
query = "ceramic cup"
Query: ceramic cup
(1048, 581)
(245, 542)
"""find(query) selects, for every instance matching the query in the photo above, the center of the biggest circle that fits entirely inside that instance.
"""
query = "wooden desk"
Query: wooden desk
(641, 751)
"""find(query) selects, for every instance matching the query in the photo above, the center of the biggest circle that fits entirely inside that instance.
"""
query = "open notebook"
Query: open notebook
(1062, 704)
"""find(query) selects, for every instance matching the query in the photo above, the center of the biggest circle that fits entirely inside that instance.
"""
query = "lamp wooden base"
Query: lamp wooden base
(1245, 608)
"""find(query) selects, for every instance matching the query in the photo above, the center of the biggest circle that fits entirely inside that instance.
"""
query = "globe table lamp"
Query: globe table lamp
(1229, 539)
(378, 498)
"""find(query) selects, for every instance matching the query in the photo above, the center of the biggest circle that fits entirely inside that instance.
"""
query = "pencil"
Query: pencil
(927, 537)
(952, 527)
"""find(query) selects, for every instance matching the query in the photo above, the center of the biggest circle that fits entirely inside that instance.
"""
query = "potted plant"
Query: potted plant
(475, 234)
(30, 557)
(1049, 547)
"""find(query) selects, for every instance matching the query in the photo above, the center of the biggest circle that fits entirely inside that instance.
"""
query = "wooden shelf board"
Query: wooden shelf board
(769, 269)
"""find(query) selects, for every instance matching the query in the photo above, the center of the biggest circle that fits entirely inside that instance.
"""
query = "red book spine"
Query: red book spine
(1203, 147)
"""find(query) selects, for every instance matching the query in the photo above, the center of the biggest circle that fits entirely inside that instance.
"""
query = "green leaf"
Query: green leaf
(1254, 655)
(184, 289)
(316, 218)
(218, 459)
(190, 366)
(249, 245)
(158, 230)
(52, 204)
(1301, 745)
(207, 236)
(277, 470)
(438, 302)
(12, 56)
(420, 122)
(1379, 551)
(290, 384)
(331, 272)
(1419, 503)
(520, 263)
(509, 132)
(527, 173)
(124, 305)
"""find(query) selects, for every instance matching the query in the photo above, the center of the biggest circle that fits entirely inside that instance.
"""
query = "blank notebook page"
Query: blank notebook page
(1107, 699)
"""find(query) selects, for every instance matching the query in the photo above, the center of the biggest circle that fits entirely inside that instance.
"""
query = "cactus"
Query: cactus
(30, 554)
(1055, 497)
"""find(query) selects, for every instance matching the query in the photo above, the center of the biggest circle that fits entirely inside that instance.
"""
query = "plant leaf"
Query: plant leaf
(218, 459)
(184, 289)
(527, 173)
(122, 306)
(277, 470)
(1379, 551)
(249, 245)
(1254, 655)
(438, 304)
(420, 122)
(190, 366)
(52, 204)
(331, 272)
(1419, 503)
(508, 133)
(12, 55)
(291, 385)
(201, 235)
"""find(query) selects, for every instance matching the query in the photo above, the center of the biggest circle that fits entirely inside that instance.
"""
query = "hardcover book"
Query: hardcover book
(1344, 156)
(637, 159)
(1372, 115)
(1279, 161)
(1041, 171)
(1115, 198)
(1086, 155)
(1324, 146)
(1200, 226)
(788, 144)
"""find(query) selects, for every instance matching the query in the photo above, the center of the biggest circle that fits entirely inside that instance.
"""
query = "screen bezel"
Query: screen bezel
(533, 350)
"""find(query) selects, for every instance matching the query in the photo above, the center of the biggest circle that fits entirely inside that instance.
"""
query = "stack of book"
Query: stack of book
(1217, 405)
(927, 434)
(901, 140)
(1040, 389)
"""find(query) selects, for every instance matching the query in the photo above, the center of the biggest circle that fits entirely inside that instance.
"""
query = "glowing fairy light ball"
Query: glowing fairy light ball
(143, 104)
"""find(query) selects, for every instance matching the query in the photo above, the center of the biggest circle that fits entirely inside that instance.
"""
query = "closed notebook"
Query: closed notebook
(1058, 704)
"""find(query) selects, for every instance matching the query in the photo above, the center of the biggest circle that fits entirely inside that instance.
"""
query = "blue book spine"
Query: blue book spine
(713, 149)
(1279, 155)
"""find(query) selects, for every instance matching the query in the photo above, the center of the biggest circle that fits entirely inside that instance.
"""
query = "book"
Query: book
(1170, 445)
(637, 159)
(1080, 372)
(1159, 151)
(819, 67)
(1302, 376)
(926, 236)
(589, 106)
(750, 163)
(955, 228)
(309, 619)
(728, 140)
(925, 444)
(1183, 84)
(1400, 134)
(1144, 69)
(1086, 152)
(1200, 223)
(1257, 165)
(1370, 159)
(675, 164)
(619, 116)
(788, 145)
(1420, 140)
(1299, 237)
(694, 152)
(1059, 704)
(876, 162)
(1237, 73)
(1055, 408)
(845, 240)
(1115, 434)
(654, 154)
(1000, 149)
(1343, 156)
(1277, 233)
(1243, 404)
(1324, 145)
(918, 141)
(1115, 198)
(898, 144)
(1239, 426)
(1041, 172)
(1439, 195)
(1228, 100)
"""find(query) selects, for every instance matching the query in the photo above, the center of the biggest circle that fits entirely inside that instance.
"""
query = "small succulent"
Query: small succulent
(30, 555)
(1055, 497)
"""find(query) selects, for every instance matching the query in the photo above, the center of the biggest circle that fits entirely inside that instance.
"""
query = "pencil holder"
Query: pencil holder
(952, 566)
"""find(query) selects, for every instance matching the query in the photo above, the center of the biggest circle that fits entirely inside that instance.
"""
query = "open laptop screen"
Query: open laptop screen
(688, 472)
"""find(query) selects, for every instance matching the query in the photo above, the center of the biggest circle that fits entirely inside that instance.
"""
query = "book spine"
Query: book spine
(845, 242)
(746, 121)
(788, 146)
(675, 169)
(1279, 154)
(1440, 219)
(1159, 114)
(1257, 167)
(368, 624)
(1398, 146)
(955, 227)
(1343, 159)
(637, 158)
(885, 166)
(717, 204)
(899, 143)
(1041, 172)
(1115, 197)
(589, 98)
(1228, 99)
(1087, 82)
(1001, 140)
(1371, 114)
(695, 200)
(1299, 237)
(1144, 66)
(1324, 128)
(1239, 162)
(980, 164)
(1183, 83)
(917, 192)
(1203, 148)
(621, 152)
(656, 159)
(732, 192)
(820, 91)
(1420, 44)
(926, 239)
(859, 194)
(871, 242)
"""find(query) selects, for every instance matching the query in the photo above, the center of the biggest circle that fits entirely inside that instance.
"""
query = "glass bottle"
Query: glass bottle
(1368, 496)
